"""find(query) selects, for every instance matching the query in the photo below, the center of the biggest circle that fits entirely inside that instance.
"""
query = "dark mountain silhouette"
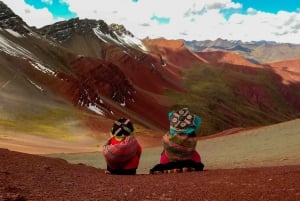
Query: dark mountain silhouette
(99, 71)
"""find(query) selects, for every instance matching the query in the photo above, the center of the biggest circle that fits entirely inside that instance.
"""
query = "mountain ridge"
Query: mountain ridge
(110, 73)
(255, 51)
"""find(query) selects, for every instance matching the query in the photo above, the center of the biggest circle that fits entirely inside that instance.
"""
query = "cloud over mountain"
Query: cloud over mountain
(176, 19)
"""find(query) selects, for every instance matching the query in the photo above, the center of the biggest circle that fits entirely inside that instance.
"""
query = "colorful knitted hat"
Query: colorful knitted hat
(122, 127)
(183, 121)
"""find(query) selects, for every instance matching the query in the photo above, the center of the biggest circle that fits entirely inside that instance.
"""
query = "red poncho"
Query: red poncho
(123, 154)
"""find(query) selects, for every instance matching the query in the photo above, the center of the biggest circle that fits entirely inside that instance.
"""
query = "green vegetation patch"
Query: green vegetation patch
(206, 88)
(214, 93)
(54, 123)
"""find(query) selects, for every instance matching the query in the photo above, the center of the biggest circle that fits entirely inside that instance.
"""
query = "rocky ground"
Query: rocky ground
(261, 164)
(31, 177)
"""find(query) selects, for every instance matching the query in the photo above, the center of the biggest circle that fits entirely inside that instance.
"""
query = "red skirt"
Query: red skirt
(195, 157)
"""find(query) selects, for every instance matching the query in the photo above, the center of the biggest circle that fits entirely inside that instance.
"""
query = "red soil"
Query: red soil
(29, 177)
(288, 70)
(174, 51)
(226, 57)
(288, 79)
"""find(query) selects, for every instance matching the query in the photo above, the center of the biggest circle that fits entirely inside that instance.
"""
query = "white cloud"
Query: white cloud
(251, 11)
(189, 19)
(281, 27)
(29, 14)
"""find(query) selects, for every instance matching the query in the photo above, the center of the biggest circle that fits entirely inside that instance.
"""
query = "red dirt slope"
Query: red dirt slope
(288, 78)
(174, 51)
(288, 70)
(29, 177)
(226, 57)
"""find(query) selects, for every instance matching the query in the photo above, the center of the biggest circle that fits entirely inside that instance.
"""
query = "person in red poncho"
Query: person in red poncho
(122, 151)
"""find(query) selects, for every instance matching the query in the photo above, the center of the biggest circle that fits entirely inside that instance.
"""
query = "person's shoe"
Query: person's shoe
(172, 171)
(188, 169)
(176, 171)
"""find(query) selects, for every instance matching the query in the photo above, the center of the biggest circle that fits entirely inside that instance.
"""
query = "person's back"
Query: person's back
(122, 151)
(180, 142)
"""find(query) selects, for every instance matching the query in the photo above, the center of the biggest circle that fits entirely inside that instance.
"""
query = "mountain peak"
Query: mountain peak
(9, 20)
(63, 30)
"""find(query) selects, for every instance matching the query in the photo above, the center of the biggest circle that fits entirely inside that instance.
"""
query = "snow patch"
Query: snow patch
(42, 68)
(27, 28)
(12, 32)
(13, 49)
(105, 37)
(36, 85)
(123, 104)
(100, 35)
(95, 109)
(124, 40)
(134, 41)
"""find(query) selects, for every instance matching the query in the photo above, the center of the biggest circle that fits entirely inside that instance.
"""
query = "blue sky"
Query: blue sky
(247, 20)
(58, 8)
(271, 6)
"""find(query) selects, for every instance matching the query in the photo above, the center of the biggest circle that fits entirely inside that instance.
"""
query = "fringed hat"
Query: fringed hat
(183, 121)
(122, 127)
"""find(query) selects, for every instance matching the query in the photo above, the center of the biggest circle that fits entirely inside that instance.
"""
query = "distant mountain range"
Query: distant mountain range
(255, 51)
(88, 72)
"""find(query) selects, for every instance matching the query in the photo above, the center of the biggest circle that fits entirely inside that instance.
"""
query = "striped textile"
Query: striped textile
(118, 155)
(179, 146)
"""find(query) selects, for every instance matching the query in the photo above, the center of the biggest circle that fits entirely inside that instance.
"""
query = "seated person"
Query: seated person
(122, 151)
(179, 144)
